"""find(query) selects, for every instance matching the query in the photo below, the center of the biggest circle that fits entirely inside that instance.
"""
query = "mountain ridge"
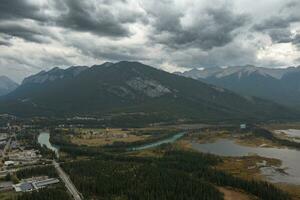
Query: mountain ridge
(277, 73)
(54, 74)
(132, 87)
(7, 85)
(279, 85)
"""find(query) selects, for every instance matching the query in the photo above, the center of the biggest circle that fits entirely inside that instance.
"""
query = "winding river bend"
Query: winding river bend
(44, 140)
(171, 139)
(290, 158)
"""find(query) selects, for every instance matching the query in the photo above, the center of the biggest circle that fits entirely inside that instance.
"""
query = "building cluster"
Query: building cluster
(22, 157)
(28, 185)
(15, 155)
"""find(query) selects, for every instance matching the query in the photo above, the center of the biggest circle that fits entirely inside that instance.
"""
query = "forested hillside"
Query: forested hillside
(131, 89)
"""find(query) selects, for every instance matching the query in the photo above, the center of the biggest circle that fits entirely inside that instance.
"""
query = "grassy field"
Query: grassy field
(101, 141)
(242, 167)
(243, 138)
(279, 126)
(246, 167)
(233, 194)
(101, 137)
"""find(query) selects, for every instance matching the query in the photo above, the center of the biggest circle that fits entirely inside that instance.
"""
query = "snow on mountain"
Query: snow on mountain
(220, 72)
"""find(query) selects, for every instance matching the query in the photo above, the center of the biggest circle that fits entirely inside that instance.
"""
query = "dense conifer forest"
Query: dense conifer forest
(57, 193)
(37, 171)
(175, 175)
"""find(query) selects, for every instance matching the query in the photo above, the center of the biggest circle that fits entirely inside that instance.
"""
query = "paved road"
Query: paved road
(65, 178)
(5, 172)
(7, 146)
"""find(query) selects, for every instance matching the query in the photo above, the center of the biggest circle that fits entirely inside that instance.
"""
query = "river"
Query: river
(44, 139)
(160, 142)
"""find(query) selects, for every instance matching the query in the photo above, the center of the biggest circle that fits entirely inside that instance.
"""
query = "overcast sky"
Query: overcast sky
(168, 34)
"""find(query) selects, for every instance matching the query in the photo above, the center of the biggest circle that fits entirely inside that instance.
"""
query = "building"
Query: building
(28, 186)
(26, 155)
(9, 163)
(23, 187)
(243, 126)
(44, 183)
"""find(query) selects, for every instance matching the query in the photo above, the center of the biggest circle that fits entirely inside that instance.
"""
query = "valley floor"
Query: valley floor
(112, 168)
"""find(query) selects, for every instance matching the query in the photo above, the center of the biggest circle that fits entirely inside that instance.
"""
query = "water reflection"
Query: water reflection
(290, 158)
(43, 140)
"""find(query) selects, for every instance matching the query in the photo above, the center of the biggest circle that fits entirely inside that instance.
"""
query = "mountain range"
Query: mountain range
(132, 88)
(7, 85)
(279, 85)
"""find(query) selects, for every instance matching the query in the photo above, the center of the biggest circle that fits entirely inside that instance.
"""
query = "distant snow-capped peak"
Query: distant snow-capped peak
(240, 71)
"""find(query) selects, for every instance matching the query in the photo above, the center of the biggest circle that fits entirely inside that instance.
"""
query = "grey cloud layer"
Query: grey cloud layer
(94, 16)
(279, 27)
(213, 27)
(38, 34)
(20, 9)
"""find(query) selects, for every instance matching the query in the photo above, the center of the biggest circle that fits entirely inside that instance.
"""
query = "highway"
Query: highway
(65, 178)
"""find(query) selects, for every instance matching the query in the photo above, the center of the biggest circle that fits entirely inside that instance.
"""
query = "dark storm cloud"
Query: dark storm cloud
(13, 20)
(22, 31)
(84, 16)
(216, 29)
(95, 16)
(20, 9)
(280, 35)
